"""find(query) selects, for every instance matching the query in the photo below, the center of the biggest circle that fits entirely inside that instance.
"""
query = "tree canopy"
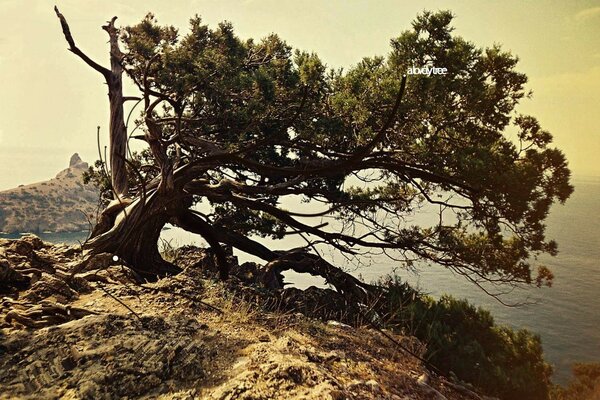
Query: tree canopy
(243, 125)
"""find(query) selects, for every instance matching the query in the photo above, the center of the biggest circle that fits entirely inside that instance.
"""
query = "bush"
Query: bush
(464, 340)
(585, 384)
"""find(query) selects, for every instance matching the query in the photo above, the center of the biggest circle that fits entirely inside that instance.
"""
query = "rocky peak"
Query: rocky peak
(54, 205)
(77, 162)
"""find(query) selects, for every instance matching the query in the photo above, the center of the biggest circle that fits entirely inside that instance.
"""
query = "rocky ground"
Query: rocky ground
(74, 329)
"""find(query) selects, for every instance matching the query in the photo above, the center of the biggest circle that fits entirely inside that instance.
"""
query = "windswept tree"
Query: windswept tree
(243, 125)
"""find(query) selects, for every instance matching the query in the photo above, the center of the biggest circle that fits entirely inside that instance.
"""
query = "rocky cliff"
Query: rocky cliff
(86, 329)
(61, 204)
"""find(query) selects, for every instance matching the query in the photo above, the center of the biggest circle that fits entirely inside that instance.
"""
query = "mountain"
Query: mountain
(61, 204)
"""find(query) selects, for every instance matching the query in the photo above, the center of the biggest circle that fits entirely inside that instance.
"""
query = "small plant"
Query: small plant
(168, 250)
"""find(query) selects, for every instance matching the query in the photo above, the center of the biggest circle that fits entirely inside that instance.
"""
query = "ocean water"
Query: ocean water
(566, 316)
(53, 237)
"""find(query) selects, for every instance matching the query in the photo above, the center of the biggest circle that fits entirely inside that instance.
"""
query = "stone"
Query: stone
(338, 324)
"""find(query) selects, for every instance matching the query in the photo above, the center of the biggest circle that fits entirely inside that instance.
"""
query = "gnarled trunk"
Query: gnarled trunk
(134, 236)
(128, 229)
(114, 81)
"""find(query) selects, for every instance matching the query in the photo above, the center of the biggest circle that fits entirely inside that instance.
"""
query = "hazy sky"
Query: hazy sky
(51, 102)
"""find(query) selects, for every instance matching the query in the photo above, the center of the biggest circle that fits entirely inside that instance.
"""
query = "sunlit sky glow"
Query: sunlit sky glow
(51, 102)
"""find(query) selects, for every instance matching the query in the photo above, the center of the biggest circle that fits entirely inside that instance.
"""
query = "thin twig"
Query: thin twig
(119, 301)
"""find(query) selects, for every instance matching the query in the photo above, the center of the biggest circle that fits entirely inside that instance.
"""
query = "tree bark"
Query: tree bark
(114, 81)
(118, 131)
(135, 234)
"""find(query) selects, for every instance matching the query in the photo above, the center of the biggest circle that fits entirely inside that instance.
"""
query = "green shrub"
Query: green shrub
(168, 249)
(585, 384)
(464, 340)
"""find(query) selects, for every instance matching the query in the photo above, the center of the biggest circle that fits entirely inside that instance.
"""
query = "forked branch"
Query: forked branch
(74, 49)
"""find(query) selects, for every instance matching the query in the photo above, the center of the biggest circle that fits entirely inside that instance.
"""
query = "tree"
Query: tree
(584, 385)
(244, 125)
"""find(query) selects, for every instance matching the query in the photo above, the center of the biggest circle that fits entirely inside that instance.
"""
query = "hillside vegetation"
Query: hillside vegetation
(61, 204)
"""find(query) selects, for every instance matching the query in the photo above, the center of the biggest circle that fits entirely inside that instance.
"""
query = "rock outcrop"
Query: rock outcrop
(77, 162)
(75, 329)
(61, 204)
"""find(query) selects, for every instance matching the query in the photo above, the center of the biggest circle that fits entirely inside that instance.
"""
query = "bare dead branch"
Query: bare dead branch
(73, 47)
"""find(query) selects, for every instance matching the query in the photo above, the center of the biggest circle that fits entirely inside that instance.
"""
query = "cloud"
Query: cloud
(587, 14)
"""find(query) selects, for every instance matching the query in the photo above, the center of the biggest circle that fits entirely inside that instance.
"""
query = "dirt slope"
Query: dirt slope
(95, 334)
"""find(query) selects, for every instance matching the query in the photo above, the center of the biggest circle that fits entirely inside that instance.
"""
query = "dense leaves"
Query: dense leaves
(244, 126)
(585, 384)
(465, 341)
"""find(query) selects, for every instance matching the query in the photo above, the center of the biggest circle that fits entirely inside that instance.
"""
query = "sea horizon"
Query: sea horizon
(567, 329)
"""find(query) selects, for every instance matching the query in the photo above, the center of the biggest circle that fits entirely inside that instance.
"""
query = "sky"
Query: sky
(51, 102)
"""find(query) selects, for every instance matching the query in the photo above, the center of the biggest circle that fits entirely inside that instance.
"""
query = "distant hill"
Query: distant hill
(57, 205)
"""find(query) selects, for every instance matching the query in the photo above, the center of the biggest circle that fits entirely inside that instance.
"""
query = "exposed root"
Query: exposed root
(39, 284)
(303, 262)
(46, 314)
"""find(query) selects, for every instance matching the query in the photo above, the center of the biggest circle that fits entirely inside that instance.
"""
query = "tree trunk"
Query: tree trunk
(135, 234)
(118, 132)
(130, 230)
(114, 81)
(118, 136)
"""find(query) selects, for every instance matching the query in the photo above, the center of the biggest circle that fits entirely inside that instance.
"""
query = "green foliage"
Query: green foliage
(139, 169)
(274, 113)
(96, 175)
(585, 384)
(464, 340)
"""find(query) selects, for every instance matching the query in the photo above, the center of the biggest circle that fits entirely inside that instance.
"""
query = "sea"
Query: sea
(566, 315)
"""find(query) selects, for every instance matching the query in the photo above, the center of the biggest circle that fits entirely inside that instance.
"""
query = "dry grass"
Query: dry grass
(177, 347)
